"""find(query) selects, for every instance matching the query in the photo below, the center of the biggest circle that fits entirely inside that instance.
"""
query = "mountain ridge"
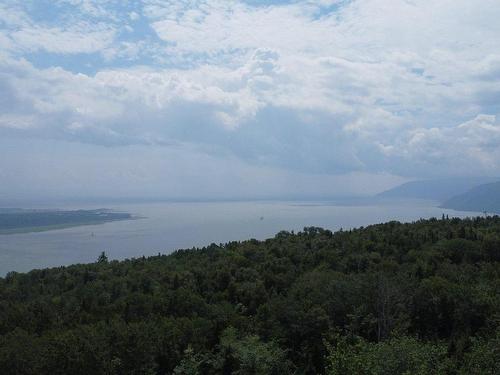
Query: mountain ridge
(484, 197)
(440, 190)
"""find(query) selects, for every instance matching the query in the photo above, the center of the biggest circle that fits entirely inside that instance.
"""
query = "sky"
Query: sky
(245, 99)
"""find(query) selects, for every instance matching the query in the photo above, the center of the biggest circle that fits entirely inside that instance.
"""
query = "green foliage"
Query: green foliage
(483, 357)
(249, 355)
(103, 258)
(387, 299)
(191, 364)
(402, 355)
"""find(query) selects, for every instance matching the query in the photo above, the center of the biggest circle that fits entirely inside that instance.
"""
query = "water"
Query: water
(170, 226)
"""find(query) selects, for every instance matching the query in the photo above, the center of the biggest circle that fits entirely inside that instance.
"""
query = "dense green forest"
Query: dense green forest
(417, 298)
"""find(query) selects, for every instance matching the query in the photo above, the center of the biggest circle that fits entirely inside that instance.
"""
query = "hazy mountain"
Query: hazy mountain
(481, 198)
(438, 189)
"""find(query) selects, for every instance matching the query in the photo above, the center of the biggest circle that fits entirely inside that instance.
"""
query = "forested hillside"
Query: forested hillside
(482, 198)
(420, 298)
(438, 190)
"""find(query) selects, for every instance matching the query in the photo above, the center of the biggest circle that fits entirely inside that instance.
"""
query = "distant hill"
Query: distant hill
(439, 189)
(481, 198)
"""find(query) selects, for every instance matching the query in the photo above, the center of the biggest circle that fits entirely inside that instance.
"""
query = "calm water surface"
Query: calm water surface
(170, 226)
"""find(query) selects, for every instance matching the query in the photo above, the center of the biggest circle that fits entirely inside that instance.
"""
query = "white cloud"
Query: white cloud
(134, 16)
(81, 38)
(374, 85)
(472, 147)
(17, 121)
(225, 26)
(64, 34)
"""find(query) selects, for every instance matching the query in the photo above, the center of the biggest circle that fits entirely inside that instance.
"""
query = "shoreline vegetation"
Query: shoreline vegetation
(392, 298)
(16, 221)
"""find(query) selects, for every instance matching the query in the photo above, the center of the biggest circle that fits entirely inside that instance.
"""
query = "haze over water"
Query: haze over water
(165, 227)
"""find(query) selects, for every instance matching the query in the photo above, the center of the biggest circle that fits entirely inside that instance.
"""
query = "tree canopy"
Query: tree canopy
(416, 298)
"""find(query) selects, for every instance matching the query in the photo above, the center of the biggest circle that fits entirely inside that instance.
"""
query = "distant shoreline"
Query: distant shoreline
(33, 221)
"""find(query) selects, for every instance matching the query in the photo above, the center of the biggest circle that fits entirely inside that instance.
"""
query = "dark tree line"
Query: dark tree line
(419, 298)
